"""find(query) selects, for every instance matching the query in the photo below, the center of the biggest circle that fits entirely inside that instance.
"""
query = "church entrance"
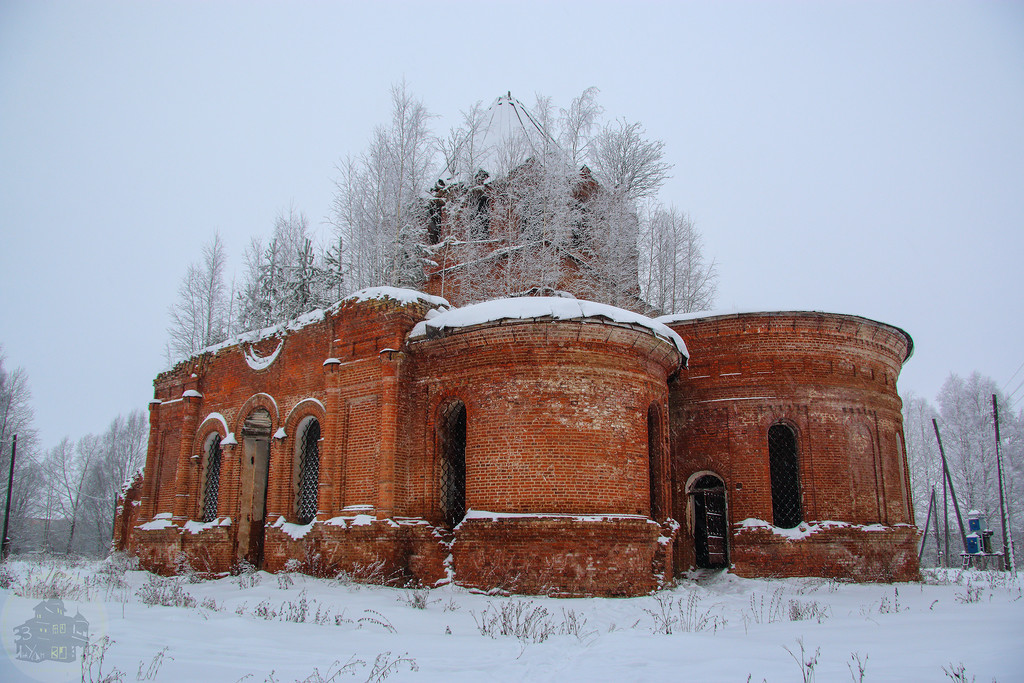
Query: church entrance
(255, 468)
(710, 525)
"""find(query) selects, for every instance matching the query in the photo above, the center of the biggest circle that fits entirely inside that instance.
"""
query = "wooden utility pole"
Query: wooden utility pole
(927, 522)
(6, 545)
(1008, 562)
(945, 514)
(952, 493)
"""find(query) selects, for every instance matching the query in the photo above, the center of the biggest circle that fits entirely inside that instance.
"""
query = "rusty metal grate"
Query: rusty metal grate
(309, 472)
(785, 473)
(211, 486)
(452, 427)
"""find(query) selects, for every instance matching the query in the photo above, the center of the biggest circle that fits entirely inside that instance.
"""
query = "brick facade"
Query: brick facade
(582, 438)
(829, 378)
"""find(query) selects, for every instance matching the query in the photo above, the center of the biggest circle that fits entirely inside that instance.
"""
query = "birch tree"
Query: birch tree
(378, 210)
(675, 275)
(199, 318)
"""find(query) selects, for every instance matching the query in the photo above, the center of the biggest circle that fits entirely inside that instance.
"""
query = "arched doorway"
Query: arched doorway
(255, 468)
(710, 523)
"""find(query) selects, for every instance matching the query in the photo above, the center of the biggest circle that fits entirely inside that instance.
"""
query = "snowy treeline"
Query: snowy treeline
(63, 498)
(965, 420)
(565, 189)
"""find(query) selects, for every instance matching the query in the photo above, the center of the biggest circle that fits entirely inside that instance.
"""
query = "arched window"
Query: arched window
(452, 441)
(654, 461)
(782, 460)
(309, 471)
(211, 486)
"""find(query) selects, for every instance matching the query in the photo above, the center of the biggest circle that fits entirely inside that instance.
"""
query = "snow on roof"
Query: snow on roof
(402, 296)
(525, 308)
(674, 318)
(398, 294)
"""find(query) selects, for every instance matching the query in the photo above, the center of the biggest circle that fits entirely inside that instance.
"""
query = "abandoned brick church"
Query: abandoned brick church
(536, 444)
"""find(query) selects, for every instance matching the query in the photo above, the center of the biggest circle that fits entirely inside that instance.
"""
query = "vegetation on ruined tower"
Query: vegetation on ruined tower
(511, 200)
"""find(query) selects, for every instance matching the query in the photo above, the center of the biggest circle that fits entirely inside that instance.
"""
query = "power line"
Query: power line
(1013, 375)
(1010, 395)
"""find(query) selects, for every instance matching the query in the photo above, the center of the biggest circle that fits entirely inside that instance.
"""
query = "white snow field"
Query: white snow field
(260, 627)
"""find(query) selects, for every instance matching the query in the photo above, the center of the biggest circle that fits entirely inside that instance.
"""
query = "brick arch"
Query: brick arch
(307, 407)
(261, 400)
(208, 426)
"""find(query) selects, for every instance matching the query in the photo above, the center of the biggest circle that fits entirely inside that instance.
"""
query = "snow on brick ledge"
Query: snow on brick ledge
(805, 529)
(161, 520)
(526, 308)
(402, 296)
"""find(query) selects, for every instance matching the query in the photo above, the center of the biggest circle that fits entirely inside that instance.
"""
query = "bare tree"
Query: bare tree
(199, 316)
(577, 125)
(377, 209)
(968, 436)
(67, 470)
(626, 163)
(122, 450)
(675, 276)
(16, 419)
(923, 460)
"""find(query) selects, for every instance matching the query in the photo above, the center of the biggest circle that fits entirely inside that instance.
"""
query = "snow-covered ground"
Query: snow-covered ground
(263, 627)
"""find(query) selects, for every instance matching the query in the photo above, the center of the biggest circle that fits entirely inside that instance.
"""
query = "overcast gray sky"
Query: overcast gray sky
(852, 157)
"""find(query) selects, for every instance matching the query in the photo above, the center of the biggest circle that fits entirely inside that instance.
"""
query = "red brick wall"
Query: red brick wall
(556, 415)
(831, 378)
(560, 556)
(850, 553)
(557, 423)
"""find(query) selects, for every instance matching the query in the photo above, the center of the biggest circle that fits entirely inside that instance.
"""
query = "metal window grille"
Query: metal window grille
(782, 460)
(212, 485)
(309, 472)
(452, 424)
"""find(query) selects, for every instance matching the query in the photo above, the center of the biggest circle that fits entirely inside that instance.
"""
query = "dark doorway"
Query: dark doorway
(709, 522)
(255, 468)
(452, 438)
(787, 507)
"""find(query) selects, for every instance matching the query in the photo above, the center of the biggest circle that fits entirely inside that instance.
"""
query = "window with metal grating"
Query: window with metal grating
(782, 460)
(211, 486)
(309, 472)
(452, 433)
